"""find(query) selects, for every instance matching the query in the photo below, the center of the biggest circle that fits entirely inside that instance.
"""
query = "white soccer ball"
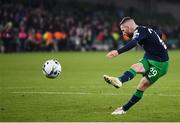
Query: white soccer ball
(52, 68)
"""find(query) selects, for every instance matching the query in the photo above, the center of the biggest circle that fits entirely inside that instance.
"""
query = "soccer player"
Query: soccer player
(152, 66)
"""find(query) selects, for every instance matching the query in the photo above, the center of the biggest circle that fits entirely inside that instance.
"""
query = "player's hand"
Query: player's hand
(112, 54)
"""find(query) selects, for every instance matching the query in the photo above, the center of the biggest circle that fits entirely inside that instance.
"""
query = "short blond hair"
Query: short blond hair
(125, 19)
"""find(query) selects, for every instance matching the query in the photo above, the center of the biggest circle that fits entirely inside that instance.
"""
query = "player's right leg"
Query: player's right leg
(128, 75)
(131, 73)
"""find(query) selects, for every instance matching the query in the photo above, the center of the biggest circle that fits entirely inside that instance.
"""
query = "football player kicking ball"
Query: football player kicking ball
(152, 66)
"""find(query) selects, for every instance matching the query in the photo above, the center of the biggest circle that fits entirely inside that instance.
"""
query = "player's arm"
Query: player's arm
(127, 47)
(138, 36)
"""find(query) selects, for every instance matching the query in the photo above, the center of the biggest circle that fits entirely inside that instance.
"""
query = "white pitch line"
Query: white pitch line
(63, 93)
(84, 93)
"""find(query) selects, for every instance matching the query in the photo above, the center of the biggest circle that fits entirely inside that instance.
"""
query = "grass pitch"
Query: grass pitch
(79, 93)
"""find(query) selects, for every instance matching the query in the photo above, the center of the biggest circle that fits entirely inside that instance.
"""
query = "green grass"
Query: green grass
(80, 94)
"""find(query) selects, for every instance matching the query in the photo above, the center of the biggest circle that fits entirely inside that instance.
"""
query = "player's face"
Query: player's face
(125, 29)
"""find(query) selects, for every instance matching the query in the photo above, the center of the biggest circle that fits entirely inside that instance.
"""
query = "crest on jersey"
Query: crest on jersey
(136, 34)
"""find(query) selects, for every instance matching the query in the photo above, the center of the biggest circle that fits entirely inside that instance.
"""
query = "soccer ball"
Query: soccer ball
(51, 68)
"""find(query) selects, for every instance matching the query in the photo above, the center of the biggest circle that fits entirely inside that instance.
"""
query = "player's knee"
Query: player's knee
(143, 86)
(137, 67)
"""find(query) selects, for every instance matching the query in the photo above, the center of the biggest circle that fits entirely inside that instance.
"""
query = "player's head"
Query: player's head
(127, 26)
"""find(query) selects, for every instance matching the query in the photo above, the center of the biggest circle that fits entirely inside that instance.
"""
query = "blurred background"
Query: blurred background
(81, 25)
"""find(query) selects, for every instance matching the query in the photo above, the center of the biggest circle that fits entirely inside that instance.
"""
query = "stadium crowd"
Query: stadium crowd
(53, 27)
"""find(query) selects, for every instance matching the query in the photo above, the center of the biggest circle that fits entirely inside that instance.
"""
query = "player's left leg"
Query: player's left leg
(143, 85)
